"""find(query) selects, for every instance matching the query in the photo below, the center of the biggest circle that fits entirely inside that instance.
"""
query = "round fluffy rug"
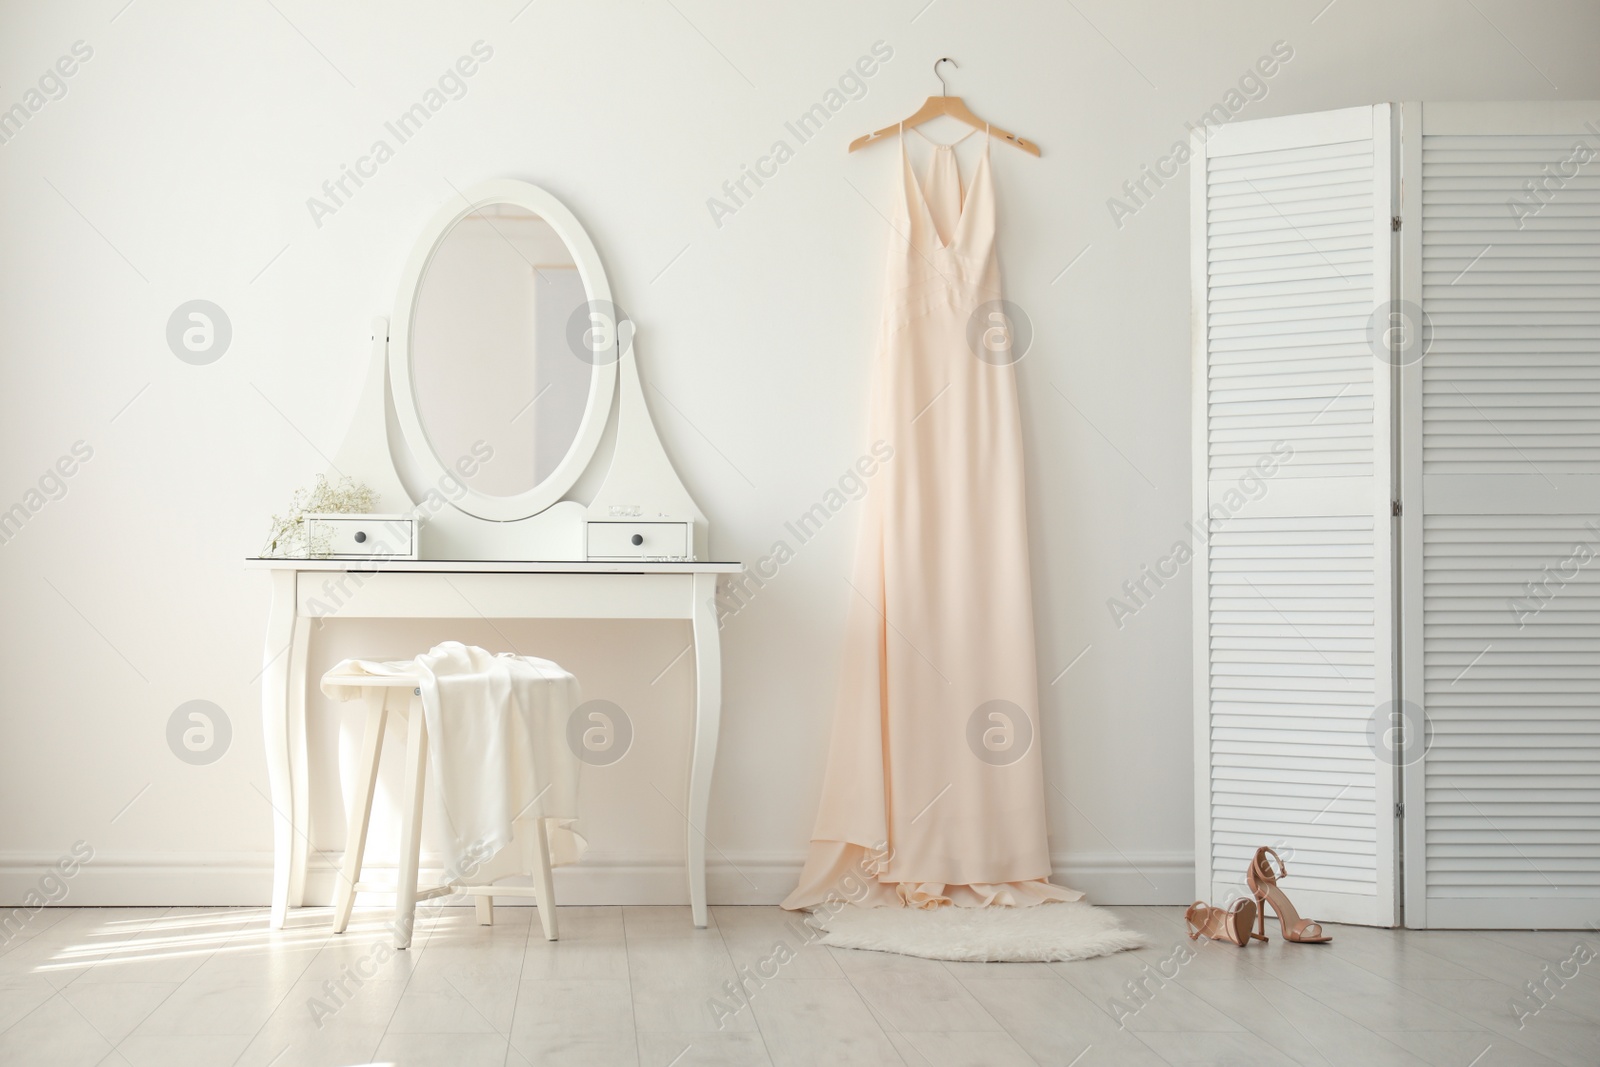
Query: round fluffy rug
(1041, 933)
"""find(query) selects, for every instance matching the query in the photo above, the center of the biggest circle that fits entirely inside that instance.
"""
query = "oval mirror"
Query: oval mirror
(496, 382)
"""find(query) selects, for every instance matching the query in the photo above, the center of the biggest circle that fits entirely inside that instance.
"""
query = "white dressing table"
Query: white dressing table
(504, 432)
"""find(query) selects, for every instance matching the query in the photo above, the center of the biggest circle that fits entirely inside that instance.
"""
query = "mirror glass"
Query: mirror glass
(490, 360)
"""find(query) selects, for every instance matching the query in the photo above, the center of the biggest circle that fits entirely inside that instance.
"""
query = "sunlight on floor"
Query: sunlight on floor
(209, 934)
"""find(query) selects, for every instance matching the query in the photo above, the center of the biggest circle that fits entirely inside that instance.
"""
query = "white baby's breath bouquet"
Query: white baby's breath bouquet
(291, 537)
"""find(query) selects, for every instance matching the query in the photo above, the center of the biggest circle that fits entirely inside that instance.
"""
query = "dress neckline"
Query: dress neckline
(911, 183)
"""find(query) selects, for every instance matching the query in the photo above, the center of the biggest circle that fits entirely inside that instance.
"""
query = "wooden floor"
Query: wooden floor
(173, 987)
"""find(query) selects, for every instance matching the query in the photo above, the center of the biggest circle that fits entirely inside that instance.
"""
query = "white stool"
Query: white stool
(406, 891)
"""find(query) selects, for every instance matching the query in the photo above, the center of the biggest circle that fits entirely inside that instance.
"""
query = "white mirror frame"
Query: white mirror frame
(602, 382)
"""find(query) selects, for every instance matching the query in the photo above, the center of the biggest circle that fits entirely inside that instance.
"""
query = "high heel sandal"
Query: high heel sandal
(1232, 924)
(1264, 884)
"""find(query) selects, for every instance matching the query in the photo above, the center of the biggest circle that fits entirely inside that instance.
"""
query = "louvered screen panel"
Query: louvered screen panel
(1511, 286)
(1289, 248)
(1292, 678)
(1511, 682)
(1292, 456)
(1508, 794)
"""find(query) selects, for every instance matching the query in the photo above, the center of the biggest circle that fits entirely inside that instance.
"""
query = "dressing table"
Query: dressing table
(504, 430)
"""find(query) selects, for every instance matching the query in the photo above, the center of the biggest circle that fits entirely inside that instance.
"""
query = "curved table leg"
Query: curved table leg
(275, 676)
(707, 721)
(299, 768)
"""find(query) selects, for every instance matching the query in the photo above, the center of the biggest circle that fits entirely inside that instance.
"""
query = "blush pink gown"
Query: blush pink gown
(934, 790)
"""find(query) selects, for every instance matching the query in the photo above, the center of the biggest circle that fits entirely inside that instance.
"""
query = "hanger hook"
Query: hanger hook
(944, 90)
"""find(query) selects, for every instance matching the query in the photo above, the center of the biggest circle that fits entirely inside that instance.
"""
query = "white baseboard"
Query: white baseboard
(243, 879)
(1128, 878)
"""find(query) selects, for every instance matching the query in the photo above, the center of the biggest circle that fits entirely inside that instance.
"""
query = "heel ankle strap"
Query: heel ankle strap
(1264, 868)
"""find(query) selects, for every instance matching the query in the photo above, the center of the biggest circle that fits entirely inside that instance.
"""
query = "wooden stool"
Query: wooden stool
(406, 890)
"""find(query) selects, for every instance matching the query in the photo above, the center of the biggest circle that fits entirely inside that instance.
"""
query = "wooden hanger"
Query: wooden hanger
(944, 104)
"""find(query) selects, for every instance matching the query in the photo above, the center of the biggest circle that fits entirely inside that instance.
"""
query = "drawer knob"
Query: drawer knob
(638, 539)
(361, 537)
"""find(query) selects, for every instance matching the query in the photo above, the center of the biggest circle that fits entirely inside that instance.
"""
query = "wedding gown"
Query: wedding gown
(934, 789)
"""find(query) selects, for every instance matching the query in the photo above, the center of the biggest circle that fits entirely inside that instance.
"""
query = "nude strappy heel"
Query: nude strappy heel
(1231, 924)
(1264, 884)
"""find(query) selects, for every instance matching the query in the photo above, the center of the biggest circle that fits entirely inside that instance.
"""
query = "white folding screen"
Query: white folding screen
(1501, 477)
(1294, 639)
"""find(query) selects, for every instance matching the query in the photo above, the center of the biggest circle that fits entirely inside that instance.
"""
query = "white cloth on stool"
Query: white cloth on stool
(497, 745)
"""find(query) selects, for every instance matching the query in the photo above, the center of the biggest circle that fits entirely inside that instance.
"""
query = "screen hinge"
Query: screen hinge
(1399, 809)
(1394, 507)
(1394, 224)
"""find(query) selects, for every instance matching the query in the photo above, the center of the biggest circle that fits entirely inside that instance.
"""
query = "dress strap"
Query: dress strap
(905, 172)
(938, 144)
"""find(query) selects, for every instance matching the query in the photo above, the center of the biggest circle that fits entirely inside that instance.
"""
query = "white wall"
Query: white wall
(178, 166)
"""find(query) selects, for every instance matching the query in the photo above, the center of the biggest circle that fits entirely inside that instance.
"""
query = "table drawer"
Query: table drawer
(364, 536)
(638, 540)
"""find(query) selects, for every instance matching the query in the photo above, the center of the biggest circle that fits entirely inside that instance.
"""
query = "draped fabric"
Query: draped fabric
(497, 746)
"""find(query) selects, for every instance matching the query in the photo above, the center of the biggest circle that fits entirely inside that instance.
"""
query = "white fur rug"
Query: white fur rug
(1040, 933)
